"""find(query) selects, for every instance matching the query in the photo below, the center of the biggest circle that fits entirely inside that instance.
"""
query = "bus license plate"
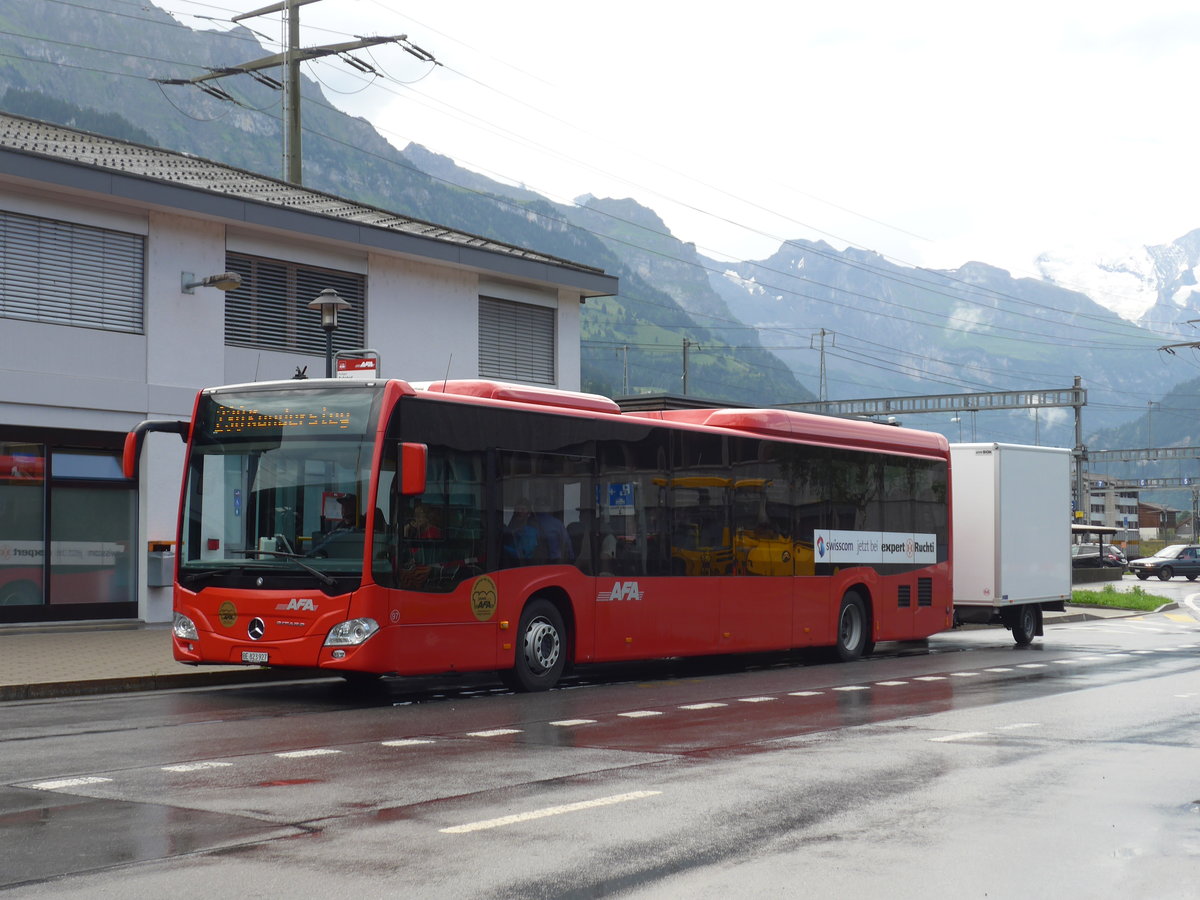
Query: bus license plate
(254, 656)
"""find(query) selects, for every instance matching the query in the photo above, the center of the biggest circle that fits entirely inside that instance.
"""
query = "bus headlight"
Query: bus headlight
(351, 633)
(184, 628)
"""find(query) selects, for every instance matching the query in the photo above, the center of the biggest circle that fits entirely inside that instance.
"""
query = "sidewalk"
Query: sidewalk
(43, 661)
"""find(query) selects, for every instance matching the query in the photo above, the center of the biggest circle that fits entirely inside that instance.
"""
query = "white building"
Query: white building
(98, 240)
(1113, 504)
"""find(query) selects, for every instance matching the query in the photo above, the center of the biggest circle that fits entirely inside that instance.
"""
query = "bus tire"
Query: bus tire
(541, 648)
(1026, 623)
(853, 629)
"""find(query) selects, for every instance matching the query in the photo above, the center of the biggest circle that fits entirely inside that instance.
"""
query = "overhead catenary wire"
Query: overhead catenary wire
(767, 348)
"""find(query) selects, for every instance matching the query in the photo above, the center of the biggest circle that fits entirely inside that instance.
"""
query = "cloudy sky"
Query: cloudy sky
(932, 132)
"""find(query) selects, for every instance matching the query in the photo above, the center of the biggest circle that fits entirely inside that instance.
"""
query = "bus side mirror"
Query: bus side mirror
(412, 468)
(134, 440)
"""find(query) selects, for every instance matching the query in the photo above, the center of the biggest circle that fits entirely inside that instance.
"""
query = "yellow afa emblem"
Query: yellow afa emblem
(483, 598)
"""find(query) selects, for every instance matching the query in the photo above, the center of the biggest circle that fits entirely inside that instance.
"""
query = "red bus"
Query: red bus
(393, 528)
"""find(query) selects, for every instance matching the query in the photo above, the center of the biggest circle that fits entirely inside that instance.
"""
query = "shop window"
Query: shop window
(22, 516)
(91, 534)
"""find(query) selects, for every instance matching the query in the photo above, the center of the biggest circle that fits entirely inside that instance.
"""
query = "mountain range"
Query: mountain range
(810, 320)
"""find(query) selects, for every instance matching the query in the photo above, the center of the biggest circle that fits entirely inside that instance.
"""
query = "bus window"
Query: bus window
(542, 501)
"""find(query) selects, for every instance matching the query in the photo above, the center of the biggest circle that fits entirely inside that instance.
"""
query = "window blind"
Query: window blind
(69, 274)
(270, 310)
(516, 341)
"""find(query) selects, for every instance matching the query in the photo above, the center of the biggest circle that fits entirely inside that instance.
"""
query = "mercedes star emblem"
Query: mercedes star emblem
(257, 629)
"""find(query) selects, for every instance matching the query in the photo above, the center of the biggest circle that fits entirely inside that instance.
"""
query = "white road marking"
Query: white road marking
(494, 732)
(640, 713)
(852, 687)
(196, 766)
(301, 754)
(548, 811)
(998, 669)
(961, 736)
(571, 723)
(805, 693)
(930, 678)
(890, 683)
(1016, 725)
(64, 783)
(1031, 666)
(756, 699)
(406, 742)
(964, 674)
(703, 705)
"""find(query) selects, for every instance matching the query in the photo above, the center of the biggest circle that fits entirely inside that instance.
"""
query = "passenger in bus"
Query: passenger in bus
(533, 537)
(555, 541)
(520, 536)
(423, 525)
(608, 550)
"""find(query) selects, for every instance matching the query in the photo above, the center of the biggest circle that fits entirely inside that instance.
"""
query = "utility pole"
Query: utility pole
(686, 344)
(822, 381)
(290, 59)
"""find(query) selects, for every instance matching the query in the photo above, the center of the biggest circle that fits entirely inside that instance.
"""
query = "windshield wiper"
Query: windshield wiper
(295, 557)
(205, 574)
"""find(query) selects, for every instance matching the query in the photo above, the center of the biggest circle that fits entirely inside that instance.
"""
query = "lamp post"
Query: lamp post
(328, 302)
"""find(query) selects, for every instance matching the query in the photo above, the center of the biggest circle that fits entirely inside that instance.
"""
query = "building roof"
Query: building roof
(191, 183)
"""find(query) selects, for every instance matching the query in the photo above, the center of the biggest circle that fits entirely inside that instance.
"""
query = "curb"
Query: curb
(135, 683)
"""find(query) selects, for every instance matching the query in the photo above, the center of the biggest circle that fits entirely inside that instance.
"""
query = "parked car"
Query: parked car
(1177, 559)
(1094, 556)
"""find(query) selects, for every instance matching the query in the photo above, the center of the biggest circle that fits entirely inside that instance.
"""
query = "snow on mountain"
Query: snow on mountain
(1125, 282)
(1153, 286)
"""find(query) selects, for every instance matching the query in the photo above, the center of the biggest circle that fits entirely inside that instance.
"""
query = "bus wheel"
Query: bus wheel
(541, 653)
(852, 628)
(1026, 623)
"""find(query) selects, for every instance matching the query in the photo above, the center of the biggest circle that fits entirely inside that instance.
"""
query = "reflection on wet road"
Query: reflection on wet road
(102, 784)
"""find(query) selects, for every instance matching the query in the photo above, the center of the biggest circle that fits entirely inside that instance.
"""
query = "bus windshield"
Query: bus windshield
(276, 484)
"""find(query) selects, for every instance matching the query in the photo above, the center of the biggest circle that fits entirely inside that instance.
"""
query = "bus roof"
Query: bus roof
(765, 422)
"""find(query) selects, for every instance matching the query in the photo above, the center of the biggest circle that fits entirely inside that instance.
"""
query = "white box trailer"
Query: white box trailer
(1011, 533)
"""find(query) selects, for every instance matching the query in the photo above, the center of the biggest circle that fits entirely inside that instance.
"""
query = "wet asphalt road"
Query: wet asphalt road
(966, 768)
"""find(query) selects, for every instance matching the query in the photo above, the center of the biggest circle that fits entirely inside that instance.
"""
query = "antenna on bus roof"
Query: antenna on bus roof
(447, 378)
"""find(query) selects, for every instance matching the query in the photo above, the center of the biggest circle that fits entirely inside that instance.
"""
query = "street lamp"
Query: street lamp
(225, 281)
(328, 302)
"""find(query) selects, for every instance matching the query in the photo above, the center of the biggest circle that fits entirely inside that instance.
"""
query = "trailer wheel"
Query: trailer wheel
(852, 628)
(542, 651)
(1165, 573)
(1026, 623)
